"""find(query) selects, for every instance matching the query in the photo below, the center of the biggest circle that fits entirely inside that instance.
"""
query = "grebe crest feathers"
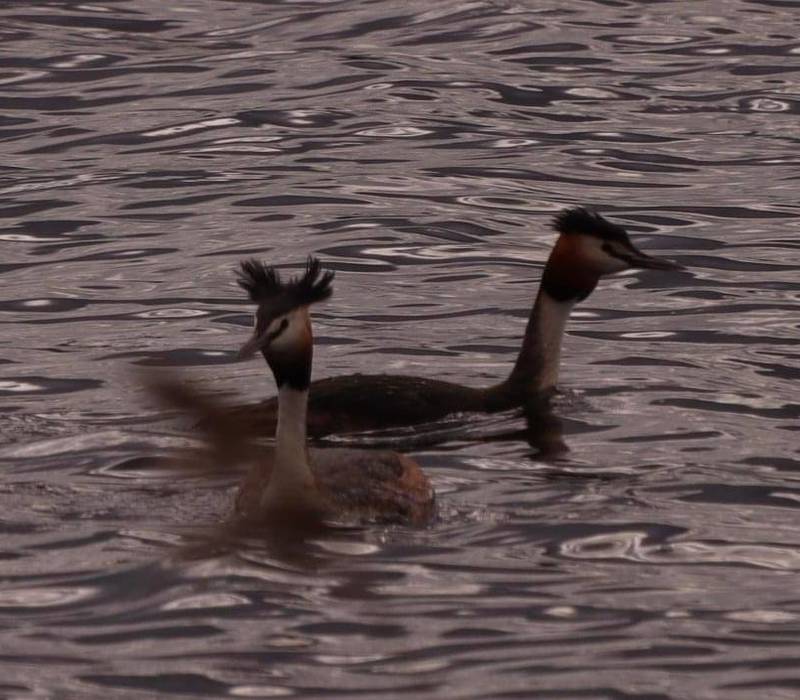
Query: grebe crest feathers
(580, 220)
(263, 283)
(281, 319)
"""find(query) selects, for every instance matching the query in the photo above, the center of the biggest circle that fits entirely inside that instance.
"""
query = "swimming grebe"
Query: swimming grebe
(323, 483)
(588, 248)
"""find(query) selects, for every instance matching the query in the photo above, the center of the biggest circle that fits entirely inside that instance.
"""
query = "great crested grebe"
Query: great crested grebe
(326, 483)
(588, 247)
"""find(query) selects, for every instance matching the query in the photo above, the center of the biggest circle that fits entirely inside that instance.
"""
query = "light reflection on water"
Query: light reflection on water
(641, 544)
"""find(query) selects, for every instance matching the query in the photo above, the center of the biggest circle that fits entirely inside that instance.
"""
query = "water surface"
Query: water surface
(420, 151)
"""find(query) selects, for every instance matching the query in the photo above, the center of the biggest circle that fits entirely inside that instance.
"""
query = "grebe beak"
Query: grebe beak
(252, 346)
(639, 260)
(648, 262)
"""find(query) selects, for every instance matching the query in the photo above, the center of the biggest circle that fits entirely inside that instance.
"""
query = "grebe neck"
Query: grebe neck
(536, 368)
(563, 285)
(291, 484)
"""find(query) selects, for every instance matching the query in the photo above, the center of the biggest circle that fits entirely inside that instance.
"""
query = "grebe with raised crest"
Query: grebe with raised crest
(317, 484)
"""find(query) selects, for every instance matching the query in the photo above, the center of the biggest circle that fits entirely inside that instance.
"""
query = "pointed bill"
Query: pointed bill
(255, 343)
(637, 259)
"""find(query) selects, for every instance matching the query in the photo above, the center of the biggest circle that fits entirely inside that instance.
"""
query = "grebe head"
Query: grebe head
(282, 328)
(588, 248)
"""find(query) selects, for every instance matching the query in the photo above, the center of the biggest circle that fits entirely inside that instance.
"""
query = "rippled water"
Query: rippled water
(419, 149)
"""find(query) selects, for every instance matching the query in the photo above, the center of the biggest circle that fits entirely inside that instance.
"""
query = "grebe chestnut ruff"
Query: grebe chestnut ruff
(588, 247)
(324, 483)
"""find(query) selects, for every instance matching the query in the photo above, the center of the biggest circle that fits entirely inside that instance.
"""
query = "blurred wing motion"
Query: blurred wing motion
(227, 443)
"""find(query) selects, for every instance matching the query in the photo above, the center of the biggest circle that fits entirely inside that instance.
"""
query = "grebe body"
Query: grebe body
(341, 484)
(352, 485)
(588, 248)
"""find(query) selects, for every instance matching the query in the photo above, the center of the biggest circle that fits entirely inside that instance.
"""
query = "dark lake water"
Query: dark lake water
(420, 149)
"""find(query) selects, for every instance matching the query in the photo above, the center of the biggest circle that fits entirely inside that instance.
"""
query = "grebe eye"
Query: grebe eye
(282, 326)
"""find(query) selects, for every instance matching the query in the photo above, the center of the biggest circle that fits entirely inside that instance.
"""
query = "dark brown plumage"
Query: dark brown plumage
(360, 402)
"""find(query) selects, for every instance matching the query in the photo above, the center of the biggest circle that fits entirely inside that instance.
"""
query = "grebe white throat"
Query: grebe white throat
(552, 317)
(292, 483)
